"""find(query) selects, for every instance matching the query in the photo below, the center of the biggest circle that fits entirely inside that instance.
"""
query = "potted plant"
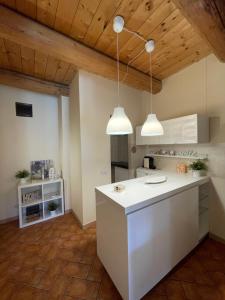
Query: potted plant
(198, 168)
(22, 175)
(52, 207)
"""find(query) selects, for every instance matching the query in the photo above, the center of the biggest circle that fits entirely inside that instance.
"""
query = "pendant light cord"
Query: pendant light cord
(118, 67)
(150, 74)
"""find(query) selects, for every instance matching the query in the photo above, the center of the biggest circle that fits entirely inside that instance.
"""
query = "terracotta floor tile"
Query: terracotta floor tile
(59, 287)
(153, 296)
(218, 277)
(28, 275)
(194, 264)
(203, 278)
(73, 255)
(160, 289)
(191, 291)
(57, 260)
(87, 259)
(29, 293)
(46, 282)
(77, 270)
(7, 290)
(97, 271)
(183, 274)
(211, 265)
(107, 290)
(82, 289)
(201, 292)
(174, 290)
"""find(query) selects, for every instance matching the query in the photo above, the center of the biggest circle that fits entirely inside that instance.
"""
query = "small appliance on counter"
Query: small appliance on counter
(149, 163)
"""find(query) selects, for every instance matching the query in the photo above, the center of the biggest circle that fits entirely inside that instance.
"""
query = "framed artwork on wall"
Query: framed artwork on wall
(40, 168)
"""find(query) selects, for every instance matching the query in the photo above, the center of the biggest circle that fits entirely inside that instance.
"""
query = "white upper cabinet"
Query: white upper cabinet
(190, 129)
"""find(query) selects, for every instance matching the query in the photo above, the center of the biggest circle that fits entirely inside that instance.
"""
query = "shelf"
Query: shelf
(178, 156)
(25, 224)
(38, 182)
(48, 216)
(52, 198)
(32, 203)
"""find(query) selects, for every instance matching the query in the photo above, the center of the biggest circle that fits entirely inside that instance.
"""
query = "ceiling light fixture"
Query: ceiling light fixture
(152, 126)
(119, 123)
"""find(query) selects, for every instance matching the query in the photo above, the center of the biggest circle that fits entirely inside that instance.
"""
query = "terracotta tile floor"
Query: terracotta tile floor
(57, 260)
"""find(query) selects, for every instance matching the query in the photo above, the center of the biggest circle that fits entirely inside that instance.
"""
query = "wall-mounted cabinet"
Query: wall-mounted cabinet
(192, 129)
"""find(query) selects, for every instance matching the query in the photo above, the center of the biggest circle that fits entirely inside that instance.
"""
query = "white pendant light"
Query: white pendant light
(119, 123)
(152, 126)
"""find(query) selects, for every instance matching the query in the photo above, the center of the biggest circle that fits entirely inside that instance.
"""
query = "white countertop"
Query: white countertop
(138, 194)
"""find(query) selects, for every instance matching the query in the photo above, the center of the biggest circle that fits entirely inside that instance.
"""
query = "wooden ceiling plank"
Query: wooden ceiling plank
(27, 56)
(64, 15)
(102, 17)
(69, 74)
(22, 81)
(9, 3)
(14, 55)
(181, 64)
(83, 18)
(40, 64)
(168, 61)
(155, 27)
(3, 55)
(61, 71)
(143, 12)
(206, 18)
(126, 10)
(46, 11)
(27, 32)
(51, 68)
(27, 7)
(220, 5)
(164, 44)
(185, 48)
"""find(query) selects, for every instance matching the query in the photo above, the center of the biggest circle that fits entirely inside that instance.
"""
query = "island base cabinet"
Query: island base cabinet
(140, 248)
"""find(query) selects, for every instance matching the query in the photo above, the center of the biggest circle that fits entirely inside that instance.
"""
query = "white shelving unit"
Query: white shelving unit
(34, 198)
(178, 156)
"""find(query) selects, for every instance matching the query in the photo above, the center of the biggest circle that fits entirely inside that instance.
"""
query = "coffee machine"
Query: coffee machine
(149, 162)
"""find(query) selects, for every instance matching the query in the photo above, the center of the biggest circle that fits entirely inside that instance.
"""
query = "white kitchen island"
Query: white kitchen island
(144, 231)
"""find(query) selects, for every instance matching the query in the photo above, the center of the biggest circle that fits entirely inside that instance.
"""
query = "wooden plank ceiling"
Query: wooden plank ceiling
(90, 22)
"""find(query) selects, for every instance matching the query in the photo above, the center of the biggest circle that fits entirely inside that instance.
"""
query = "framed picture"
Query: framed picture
(40, 168)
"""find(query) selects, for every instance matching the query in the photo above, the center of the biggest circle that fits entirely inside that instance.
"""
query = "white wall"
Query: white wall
(199, 88)
(24, 139)
(97, 98)
(64, 146)
(75, 150)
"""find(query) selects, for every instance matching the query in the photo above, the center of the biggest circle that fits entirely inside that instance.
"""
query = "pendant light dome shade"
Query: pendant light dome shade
(152, 126)
(119, 123)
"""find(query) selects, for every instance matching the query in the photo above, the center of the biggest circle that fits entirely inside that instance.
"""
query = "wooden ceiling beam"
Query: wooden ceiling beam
(207, 17)
(22, 81)
(24, 31)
